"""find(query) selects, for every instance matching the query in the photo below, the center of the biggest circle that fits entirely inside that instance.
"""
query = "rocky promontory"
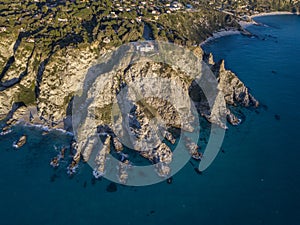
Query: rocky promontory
(48, 52)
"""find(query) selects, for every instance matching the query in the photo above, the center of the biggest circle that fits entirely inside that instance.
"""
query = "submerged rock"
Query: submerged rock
(198, 171)
(112, 187)
(277, 117)
(170, 180)
(53, 178)
(85, 184)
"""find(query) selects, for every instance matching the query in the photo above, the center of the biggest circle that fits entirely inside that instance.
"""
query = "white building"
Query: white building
(62, 20)
(145, 47)
(106, 40)
(3, 29)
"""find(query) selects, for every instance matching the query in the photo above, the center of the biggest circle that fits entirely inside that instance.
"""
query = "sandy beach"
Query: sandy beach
(220, 34)
(271, 14)
(244, 25)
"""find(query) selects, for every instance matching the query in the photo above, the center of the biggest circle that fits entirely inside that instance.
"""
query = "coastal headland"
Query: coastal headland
(47, 50)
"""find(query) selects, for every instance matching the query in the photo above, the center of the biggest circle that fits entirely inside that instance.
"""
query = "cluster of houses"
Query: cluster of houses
(150, 7)
(243, 8)
(141, 7)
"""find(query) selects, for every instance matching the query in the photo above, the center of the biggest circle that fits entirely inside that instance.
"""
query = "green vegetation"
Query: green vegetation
(25, 95)
(243, 7)
(193, 28)
(105, 113)
(46, 27)
(65, 23)
(71, 23)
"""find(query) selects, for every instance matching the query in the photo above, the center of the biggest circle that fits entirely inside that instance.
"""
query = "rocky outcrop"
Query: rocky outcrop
(148, 102)
(138, 103)
(234, 90)
(132, 104)
(20, 142)
(101, 157)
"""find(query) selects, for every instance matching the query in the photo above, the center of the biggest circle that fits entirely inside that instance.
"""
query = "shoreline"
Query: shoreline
(46, 128)
(277, 13)
(41, 127)
(219, 34)
(216, 35)
(244, 25)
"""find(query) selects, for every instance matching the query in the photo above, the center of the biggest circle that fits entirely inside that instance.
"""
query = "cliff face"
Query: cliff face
(192, 28)
(51, 81)
(42, 79)
(43, 60)
(47, 89)
(234, 90)
(45, 83)
(124, 110)
(45, 52)
(117, 93)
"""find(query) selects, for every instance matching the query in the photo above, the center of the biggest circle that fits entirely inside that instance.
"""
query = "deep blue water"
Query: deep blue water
(256, 180)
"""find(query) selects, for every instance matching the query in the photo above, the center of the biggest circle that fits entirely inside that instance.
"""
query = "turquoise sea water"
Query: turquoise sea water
(255, 181)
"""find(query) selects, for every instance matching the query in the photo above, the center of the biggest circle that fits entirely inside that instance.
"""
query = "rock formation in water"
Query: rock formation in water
(52, 107)
(234, 90)
(143, 119)
(44, 66)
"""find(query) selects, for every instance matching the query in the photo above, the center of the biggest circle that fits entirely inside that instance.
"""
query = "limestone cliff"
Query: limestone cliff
(65, 73)
(234, 90)
(46, 62)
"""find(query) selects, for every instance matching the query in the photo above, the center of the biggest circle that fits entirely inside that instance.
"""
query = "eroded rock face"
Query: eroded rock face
(149, 103)
(63, 76)
(234, 90)
(61, 79)
(135, 105)
(45, 82)
(17, 73)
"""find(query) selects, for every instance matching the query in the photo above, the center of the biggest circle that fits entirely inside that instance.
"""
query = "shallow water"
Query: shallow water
(255, 181)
